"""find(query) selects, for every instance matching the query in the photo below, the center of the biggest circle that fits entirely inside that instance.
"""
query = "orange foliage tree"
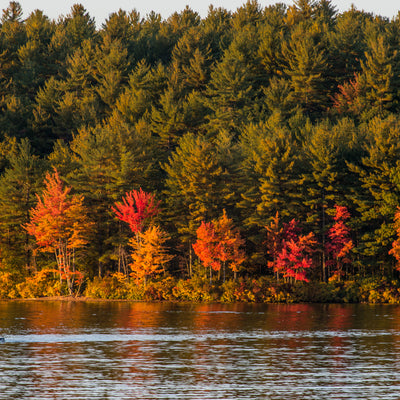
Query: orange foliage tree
(59, 224)
(219, 244)
(149, 253)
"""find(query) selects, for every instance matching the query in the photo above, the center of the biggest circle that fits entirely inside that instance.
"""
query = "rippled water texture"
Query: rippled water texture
(122, 350)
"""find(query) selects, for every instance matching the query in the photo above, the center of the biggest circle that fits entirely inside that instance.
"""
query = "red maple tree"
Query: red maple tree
(290, 251)
(136, 207)
(294, 259)
(339, 244)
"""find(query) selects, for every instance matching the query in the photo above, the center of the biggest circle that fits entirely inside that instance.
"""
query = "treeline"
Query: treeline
(282, 110)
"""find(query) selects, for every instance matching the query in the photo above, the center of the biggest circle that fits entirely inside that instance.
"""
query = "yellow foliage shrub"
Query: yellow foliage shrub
(43, 283)
(8, 288)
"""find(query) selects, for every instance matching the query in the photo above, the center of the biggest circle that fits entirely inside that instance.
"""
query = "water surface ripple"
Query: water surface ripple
(120, 350)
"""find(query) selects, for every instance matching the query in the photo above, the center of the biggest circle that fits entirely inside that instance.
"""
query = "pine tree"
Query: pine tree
(307, 67)
(327, 178)
(347, 45)
(271, 174)
(217, 28)
(18, 185)
(167, 120)
(380, 73)
(123, 27)
(154, 40)
(234, 84)
(192, 57)
(12, 37)
(379, 197)
(278, 98)
(111, 71)
(271, 37)
(249, 14)
(34, 56)
(79, 25)
(195, 184)
(144, 89)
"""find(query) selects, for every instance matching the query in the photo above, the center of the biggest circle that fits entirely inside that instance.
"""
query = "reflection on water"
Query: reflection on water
(122, 350)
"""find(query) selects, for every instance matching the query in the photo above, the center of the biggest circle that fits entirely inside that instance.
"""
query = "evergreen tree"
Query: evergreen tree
(301, 11)
(123, 27)
(271, 34)
(234, 84)
(192, 57)
(307, 67)
(12, 37)
(270, 175)
(145, 87)
(328, 180)
(19, 184)
(347, 45)
(111, 71)
(379, 197)
(154, 42)
(381, 72)
(249, 13)
(195, 189)
(79, 26)
(217, 27)
(34, 56)
(63, 106)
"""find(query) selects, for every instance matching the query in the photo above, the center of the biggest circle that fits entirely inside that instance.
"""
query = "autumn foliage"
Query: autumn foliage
(149, 254)
(148, 250)
(295, 259)
(207, 246)
(339, 243)
(263, 109)
(219, 244)
(136, 207)
(290, 251)
(395, 250)
(59, 224)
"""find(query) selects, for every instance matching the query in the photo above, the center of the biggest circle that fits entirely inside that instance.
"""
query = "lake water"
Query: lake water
(122, 350)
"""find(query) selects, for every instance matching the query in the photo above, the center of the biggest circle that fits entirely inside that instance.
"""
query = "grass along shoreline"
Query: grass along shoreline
(198, 289)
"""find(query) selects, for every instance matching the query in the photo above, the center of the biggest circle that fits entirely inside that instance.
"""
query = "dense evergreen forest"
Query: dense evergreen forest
(279, 125)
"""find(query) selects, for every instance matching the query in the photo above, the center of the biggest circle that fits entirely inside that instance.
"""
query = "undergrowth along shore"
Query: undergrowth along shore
(197, 289)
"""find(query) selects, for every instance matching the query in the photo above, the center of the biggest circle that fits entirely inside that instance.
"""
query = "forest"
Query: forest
(250, 155)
